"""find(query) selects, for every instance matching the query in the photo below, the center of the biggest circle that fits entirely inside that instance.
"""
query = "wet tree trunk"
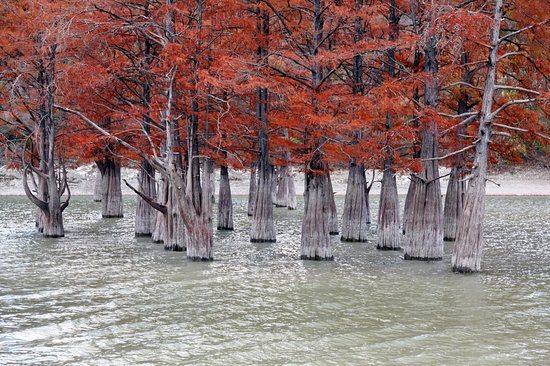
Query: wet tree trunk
(98, 186)
(174, 238)
(316, 243)
(291, 193)
(51, 187)
(252, 190)
(159, 222)
(469, 242)
(389, 232)
(331, 202)
(225, 203)
(281, 199)
(263, 225)
(454, 203)
(145, 214)
(424, 230)
(354, 219)
(111, 191)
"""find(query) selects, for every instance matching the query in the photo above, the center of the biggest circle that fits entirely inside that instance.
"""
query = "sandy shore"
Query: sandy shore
(516, 182)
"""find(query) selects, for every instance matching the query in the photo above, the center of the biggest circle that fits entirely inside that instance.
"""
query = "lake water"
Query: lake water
(99, 296)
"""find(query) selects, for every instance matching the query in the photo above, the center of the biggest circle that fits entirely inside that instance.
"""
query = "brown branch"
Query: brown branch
(43, 206)
(157, 206)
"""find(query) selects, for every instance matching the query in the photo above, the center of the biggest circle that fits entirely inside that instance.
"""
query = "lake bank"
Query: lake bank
(514, 182)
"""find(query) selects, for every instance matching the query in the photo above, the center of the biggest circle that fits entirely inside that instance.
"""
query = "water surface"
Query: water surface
(99, 296)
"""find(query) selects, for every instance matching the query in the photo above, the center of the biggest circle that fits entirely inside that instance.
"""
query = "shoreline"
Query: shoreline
(517, 182)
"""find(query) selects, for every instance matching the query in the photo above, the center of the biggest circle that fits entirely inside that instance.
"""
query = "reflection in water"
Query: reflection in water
(99, 296)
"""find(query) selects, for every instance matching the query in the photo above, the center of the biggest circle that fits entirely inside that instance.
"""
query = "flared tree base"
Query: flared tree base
(316, 258)
(425, 259)
(388, 248)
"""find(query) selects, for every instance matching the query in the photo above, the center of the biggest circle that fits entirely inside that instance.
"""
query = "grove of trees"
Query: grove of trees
(175, 88)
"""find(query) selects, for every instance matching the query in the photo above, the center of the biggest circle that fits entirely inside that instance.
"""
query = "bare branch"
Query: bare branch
(453, 153)
(43, 206)
(511, 34)
(510, 103)
(517, 88)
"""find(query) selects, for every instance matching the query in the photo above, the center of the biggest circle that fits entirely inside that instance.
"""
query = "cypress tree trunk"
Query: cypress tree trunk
(98, 186)
(424, 230)
(454, 203)
(469, 242)
(225, 203)
(263, 226)
(50, 187)
(252, 190)
(315, 242)
(144, 212)
(159, 227)
(281, 199)
(174, 230)
(198, 220)
(291, 193)
(354, 219)
(333, 214)
(111, 191)
(389, 233)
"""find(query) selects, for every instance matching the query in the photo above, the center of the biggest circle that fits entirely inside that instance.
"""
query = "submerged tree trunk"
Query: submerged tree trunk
(111, 191)
(454, 203)
(355, 216)
(424, 230)
(291, 193)
(225, 203)
(159, 220)
(331, 202)
(315, 242)
(252, 190)
(389, 232)
(281, 199)
(263, 226)
(98, 186)
(51, 186)
(469, 242)
(145, 214)
(174, 238)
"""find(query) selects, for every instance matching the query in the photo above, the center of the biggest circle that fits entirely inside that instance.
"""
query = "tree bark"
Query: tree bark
(263, 226)
(355, 216)
(144, 212)
(389, 233)
(159, 227)
(331, 202)
(315, 242)
(281, 199)
(454, 203)
(111, 191)
(291, 193)
(252, 190)
(98, 186)
(225, 203)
